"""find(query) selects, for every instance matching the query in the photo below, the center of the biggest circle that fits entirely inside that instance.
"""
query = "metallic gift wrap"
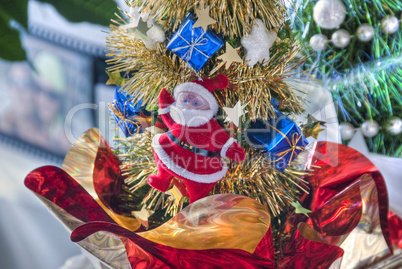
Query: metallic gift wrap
(130, 116)
(349, 205)
(194, 45)
(347, 228)
(279, 137)
(91, 162)
(73, 206)
(226, 230)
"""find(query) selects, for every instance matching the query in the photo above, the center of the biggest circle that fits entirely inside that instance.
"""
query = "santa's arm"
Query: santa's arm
(165, 101)
(233, 151)
(230, 148)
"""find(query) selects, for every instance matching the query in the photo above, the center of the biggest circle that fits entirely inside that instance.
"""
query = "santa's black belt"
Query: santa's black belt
(203, 152)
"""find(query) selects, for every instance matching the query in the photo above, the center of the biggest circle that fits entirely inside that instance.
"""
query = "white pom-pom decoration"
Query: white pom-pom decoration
(329, 14)
(258, 43)
(155, 34)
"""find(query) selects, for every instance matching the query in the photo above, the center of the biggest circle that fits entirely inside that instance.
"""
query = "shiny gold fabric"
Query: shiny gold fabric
(215, 222)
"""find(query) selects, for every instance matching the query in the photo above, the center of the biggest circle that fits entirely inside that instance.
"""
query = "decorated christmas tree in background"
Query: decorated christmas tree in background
(356, 48)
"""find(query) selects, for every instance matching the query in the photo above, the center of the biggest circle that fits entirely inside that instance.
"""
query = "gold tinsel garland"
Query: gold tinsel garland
(254, 178)
(152, 70)
(234, 17)
(148, 71)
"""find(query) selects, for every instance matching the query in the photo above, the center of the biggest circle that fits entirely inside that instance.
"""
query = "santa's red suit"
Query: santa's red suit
(192, 151)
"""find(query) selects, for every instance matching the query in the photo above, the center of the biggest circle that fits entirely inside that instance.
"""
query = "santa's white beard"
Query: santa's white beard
(191, 117)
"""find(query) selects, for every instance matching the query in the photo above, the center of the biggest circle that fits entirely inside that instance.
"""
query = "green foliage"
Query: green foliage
(364, 77)
(94, 11)
(373, 92)
(336, 60)
(10, 45)
(15, 9)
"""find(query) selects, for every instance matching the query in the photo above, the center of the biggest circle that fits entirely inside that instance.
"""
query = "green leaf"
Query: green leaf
(10, 44)
(94, 11)
(16, 10)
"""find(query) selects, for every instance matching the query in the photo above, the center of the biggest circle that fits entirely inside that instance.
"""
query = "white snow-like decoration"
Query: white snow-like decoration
(258, 43)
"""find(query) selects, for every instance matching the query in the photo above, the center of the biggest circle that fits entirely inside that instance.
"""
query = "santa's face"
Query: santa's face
(191, 100)
(191, 109)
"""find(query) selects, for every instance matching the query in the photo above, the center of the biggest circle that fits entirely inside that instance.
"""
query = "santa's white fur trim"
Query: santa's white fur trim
(171, 165)
(191, 117)
(197, 88)
(227, 146)
(165, 110)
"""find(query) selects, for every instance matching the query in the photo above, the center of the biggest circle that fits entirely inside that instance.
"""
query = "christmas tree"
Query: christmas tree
(356, 52)
(166, 44)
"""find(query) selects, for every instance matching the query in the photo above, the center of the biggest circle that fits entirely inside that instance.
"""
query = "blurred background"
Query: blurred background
(52, 79)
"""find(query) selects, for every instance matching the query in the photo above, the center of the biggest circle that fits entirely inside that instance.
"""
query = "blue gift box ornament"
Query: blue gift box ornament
(279, 138)
(129, 116)
(194, 45)
(275, 103)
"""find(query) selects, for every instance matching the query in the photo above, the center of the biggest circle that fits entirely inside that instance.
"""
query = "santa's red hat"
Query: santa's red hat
(205, 87)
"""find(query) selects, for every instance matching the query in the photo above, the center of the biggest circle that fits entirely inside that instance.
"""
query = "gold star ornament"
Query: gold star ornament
(313, 127)
(204, 20)
(230, 56)
(235, 113)
(313, 132)
(115, 78)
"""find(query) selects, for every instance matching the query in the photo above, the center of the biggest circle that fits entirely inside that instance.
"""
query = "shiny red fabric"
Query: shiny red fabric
(336, 204)
(334, 199)
(301, 253)
(60, 188)
(335, 196)
(107, 178)
(143, 253)
(395, 228)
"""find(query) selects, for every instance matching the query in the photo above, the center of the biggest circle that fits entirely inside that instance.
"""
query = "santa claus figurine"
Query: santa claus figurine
(193, 149)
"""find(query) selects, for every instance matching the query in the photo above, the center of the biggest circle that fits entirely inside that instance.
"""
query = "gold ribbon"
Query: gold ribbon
(140, 121)
(292, 144)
